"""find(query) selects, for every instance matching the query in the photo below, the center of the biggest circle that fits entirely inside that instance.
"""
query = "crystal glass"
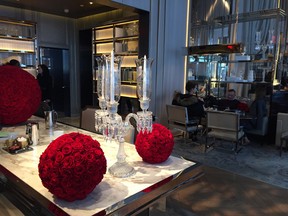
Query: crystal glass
(264, 49)
(272, 37)
(271, 42)
(258, 40)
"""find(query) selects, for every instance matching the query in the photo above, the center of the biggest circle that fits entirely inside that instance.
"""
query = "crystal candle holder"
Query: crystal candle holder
(109, 123)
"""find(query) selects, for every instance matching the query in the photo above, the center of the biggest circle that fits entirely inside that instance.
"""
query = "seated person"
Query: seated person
(231, 102)
(195, 105)
(190, 100)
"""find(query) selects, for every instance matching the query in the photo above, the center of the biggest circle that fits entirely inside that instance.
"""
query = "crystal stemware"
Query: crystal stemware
(258, 40)
(264, 49)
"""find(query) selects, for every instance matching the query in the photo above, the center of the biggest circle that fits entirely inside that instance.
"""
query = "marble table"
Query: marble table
(121, 196)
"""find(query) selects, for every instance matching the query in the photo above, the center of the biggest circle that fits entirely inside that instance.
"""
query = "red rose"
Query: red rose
(68, 162)
(59, 157)
(79, 170)
(78, 146)
(72, 166)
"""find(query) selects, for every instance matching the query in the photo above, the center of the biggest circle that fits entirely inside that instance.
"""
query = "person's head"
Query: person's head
(43, 70)
(231, 94)
(14, 62)
(190, 87)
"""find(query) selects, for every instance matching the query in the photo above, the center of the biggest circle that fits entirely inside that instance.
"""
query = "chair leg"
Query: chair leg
(206, 144)
(237, 148)
(281, 145)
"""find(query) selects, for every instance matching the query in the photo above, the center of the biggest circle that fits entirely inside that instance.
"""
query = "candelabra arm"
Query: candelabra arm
(127, 120)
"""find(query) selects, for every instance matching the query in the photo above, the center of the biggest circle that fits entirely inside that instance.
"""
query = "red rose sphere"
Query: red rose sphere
(20, 95)
(72, 166)
(155, 147)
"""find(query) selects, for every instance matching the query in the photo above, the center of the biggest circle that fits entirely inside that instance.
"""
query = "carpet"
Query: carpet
(259, 162)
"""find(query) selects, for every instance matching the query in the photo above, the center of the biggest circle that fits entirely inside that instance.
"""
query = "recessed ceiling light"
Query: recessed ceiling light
(81, 5)
(90, 2)
(66, 10)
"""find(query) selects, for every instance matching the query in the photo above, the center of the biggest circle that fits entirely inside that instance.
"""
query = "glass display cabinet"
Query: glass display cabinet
(122, 37)
(18, 41)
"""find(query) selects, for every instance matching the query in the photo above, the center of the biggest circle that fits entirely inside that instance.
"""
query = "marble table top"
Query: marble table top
(111, 193)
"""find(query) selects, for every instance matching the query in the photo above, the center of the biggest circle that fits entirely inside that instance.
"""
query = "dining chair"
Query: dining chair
(178, 119)
(87, 119)
(224, 125)
(87, 122)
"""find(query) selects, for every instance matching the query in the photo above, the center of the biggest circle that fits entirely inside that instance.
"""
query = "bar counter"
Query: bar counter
(121, 196)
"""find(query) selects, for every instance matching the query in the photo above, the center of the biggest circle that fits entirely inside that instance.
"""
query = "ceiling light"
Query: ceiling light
(81, 5)
(90, 2)
(66, 10)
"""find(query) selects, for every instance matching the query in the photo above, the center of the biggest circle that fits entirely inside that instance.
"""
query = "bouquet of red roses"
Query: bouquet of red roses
(72, 166)
(20, 95)
(155, 147)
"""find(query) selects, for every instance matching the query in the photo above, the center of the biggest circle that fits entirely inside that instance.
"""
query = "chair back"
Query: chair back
(87, 119)
(130, 136)
(177, 116)
(178, 119)
(87, 122)
(224, 125)
(281, 126)
(222, 120)
(262, 131)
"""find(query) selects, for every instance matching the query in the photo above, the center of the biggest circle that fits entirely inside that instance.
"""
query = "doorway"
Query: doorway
(57, 60)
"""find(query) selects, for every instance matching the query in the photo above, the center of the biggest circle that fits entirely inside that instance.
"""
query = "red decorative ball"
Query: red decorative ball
(20, 95)
(72, 166)
(155, 147)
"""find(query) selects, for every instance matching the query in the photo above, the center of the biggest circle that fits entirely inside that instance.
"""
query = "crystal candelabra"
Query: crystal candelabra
(107, 121)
